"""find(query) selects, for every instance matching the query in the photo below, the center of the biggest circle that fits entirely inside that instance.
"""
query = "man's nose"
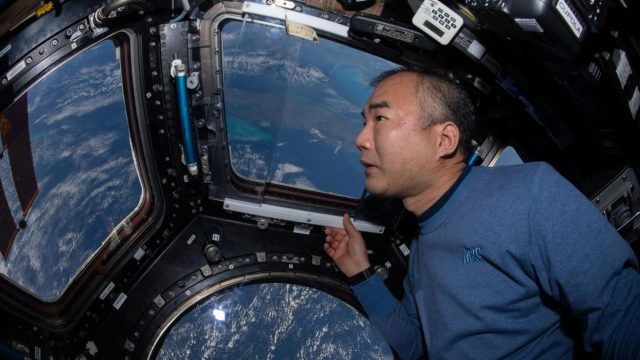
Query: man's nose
(363, 140)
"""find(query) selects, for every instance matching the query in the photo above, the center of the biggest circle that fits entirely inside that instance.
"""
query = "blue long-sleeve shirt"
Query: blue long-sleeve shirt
(502, 262)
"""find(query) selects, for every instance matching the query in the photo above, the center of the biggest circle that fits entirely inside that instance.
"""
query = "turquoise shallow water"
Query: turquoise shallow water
(246, 130)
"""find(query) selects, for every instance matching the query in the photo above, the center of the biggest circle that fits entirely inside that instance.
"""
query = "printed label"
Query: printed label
(570, 18)
(301, 230)
(404, 249)
(139, 254)
(476, 49)
(107, 290)
(119, 301)
(191, 238)
(16, 69)
(530, 25)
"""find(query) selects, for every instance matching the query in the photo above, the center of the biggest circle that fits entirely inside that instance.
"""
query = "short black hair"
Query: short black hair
(440, 100)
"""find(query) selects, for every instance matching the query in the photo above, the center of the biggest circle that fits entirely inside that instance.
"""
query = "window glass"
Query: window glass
(508, 156)
(293, 107)
(67, 170)
(273, 321)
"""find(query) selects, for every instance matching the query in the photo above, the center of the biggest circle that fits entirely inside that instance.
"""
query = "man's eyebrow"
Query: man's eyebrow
(378, 105)
(373, 106)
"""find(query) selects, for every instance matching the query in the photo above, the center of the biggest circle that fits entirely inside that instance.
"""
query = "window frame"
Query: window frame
(90, 276)
(238, 186)
(338, 291)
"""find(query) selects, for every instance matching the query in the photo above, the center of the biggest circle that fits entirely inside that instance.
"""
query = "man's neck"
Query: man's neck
(448, 174)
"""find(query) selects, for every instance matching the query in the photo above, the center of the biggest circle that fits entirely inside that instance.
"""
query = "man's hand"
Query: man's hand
(347, 248)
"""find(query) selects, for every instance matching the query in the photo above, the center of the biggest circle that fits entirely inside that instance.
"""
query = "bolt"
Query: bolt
(41, 51)
(54, 42)
(154, 73)
(173, 26)
(69, 32)
(81, 27)
(4, 81)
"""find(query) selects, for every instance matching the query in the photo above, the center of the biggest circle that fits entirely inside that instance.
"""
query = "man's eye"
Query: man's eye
(379, 117)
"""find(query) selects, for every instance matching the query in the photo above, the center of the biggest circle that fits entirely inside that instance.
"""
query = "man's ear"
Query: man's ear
(449, 137)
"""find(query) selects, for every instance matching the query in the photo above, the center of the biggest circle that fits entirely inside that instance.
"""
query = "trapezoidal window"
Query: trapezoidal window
(292, 107)
(68, 172)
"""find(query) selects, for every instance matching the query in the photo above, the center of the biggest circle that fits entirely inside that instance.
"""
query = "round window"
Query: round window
(273, 321)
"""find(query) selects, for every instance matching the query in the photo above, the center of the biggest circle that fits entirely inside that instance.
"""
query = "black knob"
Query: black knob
(212, 253)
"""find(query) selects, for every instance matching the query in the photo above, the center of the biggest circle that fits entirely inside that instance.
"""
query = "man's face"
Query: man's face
(397, 153)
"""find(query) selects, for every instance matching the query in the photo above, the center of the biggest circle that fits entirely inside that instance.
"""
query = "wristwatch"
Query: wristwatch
(362, 276)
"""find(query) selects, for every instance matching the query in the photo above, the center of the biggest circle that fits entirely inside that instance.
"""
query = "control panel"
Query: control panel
(438, 21)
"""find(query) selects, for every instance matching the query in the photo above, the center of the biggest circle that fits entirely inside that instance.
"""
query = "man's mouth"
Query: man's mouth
(368, 167)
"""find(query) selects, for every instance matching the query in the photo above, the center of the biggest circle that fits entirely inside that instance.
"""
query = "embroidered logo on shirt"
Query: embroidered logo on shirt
(472, 255)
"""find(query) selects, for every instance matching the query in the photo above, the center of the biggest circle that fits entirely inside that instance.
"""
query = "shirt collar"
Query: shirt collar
(443, 199)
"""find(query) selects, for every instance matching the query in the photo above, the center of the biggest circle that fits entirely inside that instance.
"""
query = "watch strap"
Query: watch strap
(362, 276)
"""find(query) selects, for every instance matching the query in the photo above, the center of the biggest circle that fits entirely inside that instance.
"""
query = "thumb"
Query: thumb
(348, 226)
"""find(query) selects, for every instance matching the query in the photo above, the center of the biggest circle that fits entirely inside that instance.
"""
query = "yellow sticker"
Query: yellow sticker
(301, 30)
(44, 9)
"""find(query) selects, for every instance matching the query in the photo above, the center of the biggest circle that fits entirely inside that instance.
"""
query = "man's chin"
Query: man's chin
(375, 189)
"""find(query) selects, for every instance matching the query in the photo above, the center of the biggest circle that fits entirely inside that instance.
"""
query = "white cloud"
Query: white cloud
(248, 163)
(284, 169)
(260, 63)
(85, 90)
(317, 133)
